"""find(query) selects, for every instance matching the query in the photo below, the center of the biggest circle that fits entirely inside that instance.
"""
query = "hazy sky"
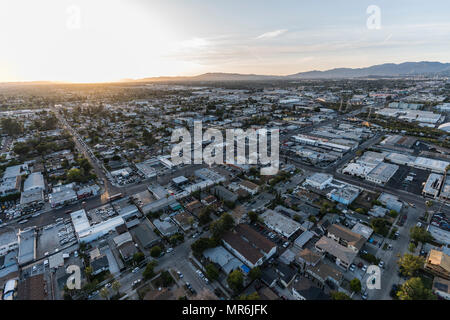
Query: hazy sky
(103, 40)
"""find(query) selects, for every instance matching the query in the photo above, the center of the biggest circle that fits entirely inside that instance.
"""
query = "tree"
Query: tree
(412, 247)
(104, 293)
(138, 257)
(149, 270)
(420, 235)
(251, 296)
(409, 264)
(414, 289)
(88, 270)
(74, 175)
(236, 280)
(221, 225)
(355, 285)
(211, 272)
(336, 295)
(253, 216)
(116, 286)
(255, 273)
(201, 245)
(155, 251)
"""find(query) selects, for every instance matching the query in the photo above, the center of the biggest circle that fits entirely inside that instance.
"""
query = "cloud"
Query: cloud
(272, 34)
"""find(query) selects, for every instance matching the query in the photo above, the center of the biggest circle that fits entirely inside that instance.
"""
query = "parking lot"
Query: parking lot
(54, 236)
(271, 235)
(412, 184)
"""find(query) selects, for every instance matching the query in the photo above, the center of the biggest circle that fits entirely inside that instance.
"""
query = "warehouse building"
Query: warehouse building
(319, 180)
(433, 185)
(382, 173)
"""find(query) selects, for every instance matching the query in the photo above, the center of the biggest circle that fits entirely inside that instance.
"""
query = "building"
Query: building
(305, 289)
(438, 263)
(382, 173)
(125, 245)
(346, 237)
(433, 185)
(166, 227)
(345, 195)
(441, 287)
(325, 274)
(34, 181)
(390, 201)
(224, 194)
(341, 255)
(208, 174)
(280, 223)
(319, 180)
(248, 245)
(63, 197)
(27, 245)
(223, 258)
(303, 239)
(306, 257)
(99, 262)
(362, 230)
(144, 235)
(249, 186)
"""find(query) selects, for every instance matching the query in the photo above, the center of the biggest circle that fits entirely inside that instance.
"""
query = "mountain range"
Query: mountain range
(389, 70)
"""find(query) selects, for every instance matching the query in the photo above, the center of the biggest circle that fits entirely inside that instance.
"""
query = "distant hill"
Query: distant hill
(381, 70)
(423, 68)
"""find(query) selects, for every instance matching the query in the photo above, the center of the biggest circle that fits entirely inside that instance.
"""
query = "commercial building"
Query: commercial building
(345, 195)
(208, 174)
(433, 185)
(27, 245)
(438, 263)
(280, 223)
(319, 180)
(390, 201)
(34, 181)
(382, 173)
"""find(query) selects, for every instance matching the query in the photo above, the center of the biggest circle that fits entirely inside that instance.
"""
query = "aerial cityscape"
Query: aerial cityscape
(272, 168)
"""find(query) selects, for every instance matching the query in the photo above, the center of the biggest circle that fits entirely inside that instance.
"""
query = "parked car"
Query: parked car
(352, 267)
(381, 264)
(364, 296)
(135, 270)
(364, 268)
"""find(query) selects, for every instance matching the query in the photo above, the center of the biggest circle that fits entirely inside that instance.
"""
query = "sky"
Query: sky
(109, 40)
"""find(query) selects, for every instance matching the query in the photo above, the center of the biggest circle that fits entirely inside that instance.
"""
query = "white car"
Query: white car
(169, 250)
(381, 264)
(135, 270)
(364, 268)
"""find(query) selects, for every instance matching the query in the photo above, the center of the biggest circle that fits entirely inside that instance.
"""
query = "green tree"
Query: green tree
(104, 293)
(420, 235)
(116, 286)
(410, 264)
(74, 175)
(336, 295)
(355, 285)
(414, 289)
(412, 247)
(155, 251)
(138, 257)
(236, 280)
(211, 272)
(255, 273)
(201, 245)
(253, 216)
(149, 270)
